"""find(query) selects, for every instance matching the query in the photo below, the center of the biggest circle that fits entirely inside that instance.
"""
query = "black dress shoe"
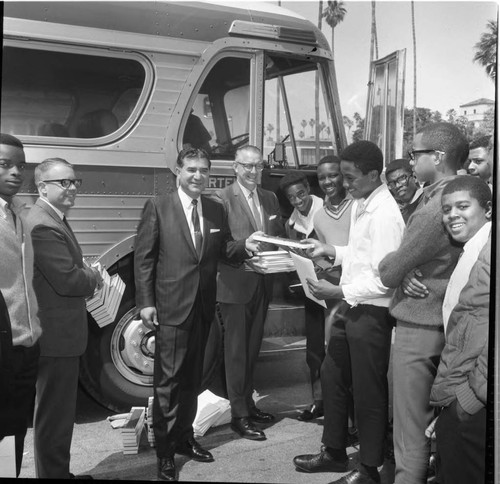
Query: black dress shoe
(246, 429)
(315, 411)
(81, 476)
(355, 477)
(193, 449)
(260, 416)
(166, 469)
(322, 462)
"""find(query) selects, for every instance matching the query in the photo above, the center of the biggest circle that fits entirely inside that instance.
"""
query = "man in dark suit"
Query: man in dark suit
(243, 295)
(180, 238)
(61, 281)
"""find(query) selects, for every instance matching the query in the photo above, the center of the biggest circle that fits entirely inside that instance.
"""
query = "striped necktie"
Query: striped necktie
(198, 236)
(255, 211)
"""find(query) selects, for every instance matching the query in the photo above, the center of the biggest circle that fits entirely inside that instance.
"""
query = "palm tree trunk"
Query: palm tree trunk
(414, 70)
(316, 89)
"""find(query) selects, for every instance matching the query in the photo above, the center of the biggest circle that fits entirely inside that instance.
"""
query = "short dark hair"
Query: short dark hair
(192, 154)
(480, 142)
(46, 165)
(8, 139)
(448, 138)
(329, 159)
(365, 155)
(477, 188)
(293, 177)
(399, 164)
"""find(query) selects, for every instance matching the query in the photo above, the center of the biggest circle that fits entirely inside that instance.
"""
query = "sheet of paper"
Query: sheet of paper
(305, 270)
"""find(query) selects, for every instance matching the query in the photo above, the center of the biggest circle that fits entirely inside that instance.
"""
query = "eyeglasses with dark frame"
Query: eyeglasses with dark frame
(250, 166)
(400, 180)
(66, 182)
(412, 153)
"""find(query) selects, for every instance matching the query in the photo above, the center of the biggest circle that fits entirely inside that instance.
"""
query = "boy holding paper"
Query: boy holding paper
(359, 347)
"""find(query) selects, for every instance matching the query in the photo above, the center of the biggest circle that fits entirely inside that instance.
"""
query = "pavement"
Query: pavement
(282, 384)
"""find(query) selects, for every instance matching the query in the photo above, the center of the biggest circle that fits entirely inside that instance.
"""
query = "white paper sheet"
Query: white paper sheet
(305, 270)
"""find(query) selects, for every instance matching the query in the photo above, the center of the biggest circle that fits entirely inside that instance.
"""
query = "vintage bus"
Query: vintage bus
(117, 89)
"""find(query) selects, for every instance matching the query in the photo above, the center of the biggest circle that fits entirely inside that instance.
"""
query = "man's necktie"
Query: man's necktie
(198, 236)
(255, 211)
(11, 216)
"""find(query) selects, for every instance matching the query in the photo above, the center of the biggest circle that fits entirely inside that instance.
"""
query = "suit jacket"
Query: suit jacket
(168, 272)
(236, 285)
(61, 283)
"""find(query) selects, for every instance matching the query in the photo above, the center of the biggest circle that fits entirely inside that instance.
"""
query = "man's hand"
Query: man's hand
(319, 249)
(323, 289)
(98, 277)
(412, 286)
(430, 431)
(252, 245)
(149, 317)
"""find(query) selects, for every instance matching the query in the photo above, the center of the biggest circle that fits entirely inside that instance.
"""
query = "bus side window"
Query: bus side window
(64, 94)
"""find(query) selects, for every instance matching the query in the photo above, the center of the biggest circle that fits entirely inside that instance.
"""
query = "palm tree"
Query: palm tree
(270, 129)
(486, 50)
(334, 14)
(316, 88)
(374, 40)
(312, 122)
(414, 70)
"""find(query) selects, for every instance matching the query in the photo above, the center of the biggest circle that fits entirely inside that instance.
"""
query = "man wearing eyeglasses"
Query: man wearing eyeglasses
(244, 296)
(420, 270)
(61, 281)
(403, 186)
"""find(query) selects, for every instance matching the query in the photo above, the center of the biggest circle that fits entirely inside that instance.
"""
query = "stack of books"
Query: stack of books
(270, 262)
(132, 430)
(149, 422)
(104, 304)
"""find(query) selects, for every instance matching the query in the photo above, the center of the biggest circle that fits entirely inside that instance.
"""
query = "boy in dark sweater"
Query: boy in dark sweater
(426, 258)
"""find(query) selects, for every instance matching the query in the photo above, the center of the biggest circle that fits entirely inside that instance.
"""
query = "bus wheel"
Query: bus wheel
(117, 368)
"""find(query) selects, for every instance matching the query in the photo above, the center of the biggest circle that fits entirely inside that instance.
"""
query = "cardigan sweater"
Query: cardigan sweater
(16, 277)
(425, 246)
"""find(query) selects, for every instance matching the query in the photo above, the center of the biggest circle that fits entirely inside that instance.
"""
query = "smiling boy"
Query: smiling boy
(460, 386)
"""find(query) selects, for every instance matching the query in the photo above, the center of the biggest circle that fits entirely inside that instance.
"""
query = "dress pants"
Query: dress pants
(178, 373)
(55, 408)
(24, 370)
(243, 331)
(461, 446)
(416, 355)
(357, 358)
(315, 344)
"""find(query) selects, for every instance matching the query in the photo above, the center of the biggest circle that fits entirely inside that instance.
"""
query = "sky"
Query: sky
(446, 32)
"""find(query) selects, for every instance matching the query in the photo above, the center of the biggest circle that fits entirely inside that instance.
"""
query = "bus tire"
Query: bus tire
(109, 377)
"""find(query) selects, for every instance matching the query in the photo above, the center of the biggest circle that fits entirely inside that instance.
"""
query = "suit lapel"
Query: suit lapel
(65, 228)
(265, 208)
(181, 216)
(240, 196)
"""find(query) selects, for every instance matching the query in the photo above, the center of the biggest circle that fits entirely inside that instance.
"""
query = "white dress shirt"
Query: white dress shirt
(187, 206)
(305, 223)
(61, 215)
(376, 229)
(461, 273)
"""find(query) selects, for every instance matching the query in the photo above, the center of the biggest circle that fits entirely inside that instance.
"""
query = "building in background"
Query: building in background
(474, 111)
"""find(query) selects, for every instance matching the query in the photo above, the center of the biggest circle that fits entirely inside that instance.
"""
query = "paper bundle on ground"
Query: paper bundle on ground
(131, 431)
(104, 304)
(149, 422)
(270, 262)
(212, 411)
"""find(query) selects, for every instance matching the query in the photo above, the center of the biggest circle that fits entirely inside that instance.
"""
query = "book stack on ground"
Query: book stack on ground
(132, 430)
(149, 422)
(270, 262)
(104, 304)
(212, 412)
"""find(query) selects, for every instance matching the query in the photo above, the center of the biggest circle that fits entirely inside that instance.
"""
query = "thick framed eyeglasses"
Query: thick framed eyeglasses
(66, 182)
(250, 166)
(400, 180)
(412, 153)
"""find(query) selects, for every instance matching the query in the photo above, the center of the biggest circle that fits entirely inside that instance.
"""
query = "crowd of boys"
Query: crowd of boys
(410, 255)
